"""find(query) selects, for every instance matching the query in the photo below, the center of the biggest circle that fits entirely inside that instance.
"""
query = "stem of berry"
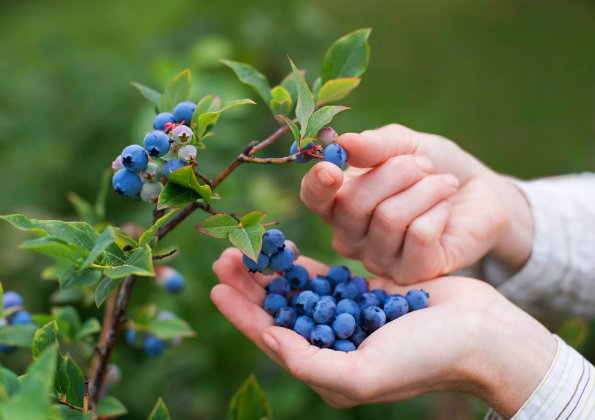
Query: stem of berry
(287, 159)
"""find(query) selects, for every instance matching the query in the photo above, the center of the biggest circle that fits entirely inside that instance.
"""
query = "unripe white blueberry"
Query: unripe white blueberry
(152, 172)
(187, 153)
(150, 191)
(291, 245)
(327, 136)
(113, 375)
(182, 134)
(3, 322)
(117, 164)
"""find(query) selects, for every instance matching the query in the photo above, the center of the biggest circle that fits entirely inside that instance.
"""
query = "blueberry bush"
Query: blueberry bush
(100, 263)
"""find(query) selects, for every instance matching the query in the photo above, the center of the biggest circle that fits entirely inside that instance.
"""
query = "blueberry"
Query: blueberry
(348, 306)
(372, 318)
(395, 306)
(113, 375)
(303, 158)
(183, 112)
(293, 302)
(346, 290)
(162, 119)
(279, 286)
(361, 283)
(417, 299)
(338, 274)
(382, 295)
(134, 158)
(132, 339)
(296, 252)
(284, 317)
(174, 283)
(323, 336)
(344, 345)
(127, 183)
(173, 165)
(182, 135)
(152, 172)
(273, 302)
(272, 241)
(12, 299)
(117, 164)
(150, 191)
(329, 297)
(305, 302)
(156, 143)
(320, 286)
(324, 311)
(344, 325)
(282, 260)
(187, 153)
(7, 349)
(327, 136)
(359, 335)
(153, 346)
(367, 299)
(22, 318)
(303, 326)
(253, 267)
(297, 276)
(334, 153)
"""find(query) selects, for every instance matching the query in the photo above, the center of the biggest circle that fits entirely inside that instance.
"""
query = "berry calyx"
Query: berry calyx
(187, 153)
(150, 191)
(182, 134)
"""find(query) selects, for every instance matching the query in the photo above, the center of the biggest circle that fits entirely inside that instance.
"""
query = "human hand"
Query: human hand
(414, 206)
(470, 339)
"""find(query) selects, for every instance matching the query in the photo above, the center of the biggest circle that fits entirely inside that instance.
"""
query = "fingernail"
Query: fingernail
(325, 178)
(452, 180)
(424, 163)
(270, 341)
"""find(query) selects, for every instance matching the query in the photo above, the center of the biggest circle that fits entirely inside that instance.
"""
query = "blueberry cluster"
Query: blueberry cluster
(136, 174)
(151, 345)
(13, 305)
(168, 278)
(276, 253)
(327, 143)
(335, 311)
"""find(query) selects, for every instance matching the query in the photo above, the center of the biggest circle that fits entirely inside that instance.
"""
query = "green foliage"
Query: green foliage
(151, 94)
(348, 57)
(336, 89)
(252, 77)
(73, 278)
(167, 329)
(106, 238)
(51, 245)
(18, 335)
(321, 118)
(174, 195)
(574, 331)
(159, 412)
(44, 338)
(211, 117)
(178, 90)
(110, 407)
(250, 403)
(281, 102)
(149, 234)
(83, 208)
(139, 262)
(292, 127)
(184, 177)
(306, 99)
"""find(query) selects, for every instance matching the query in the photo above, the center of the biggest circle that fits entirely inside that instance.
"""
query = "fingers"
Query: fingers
(319, 187)
(231, 271)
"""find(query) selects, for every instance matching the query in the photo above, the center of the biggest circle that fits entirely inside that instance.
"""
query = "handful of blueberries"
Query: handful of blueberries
(335, 311)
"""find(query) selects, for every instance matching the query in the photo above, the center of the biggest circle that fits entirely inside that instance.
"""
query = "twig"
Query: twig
(270, 224)
(160, 257)
(205, 178)
(86, 396)
(287, 159)
(67, 404)
(157, 214)
(108, 313)
(270, 139)
(234, 164)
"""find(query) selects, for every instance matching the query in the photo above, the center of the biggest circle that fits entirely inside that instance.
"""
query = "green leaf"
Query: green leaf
(62, 381)
(178, 90)
(173, 195)
(288, 83)
(104, 289)
(51, 245)
(574, 332)
(106, 182)
(110, 407)
(185, 177)
(77, 382)
(321, 118)
(125, 236)
(62, 412)
(79, 235)
(218, 226)
(72, 278)
(145, 314)
(91, 326)
(167, 329)
(337, 89)
(281, 102)
(44, 338)
(207, 118)
(159, 411)
(148, 235)
(306, 99)
(151, 94)
(252, 77)
(106, 238)
(18, 335)
(68, 320)
(206, 104)
(249, 403)
(294, 130)
(139, 262)
(10, 381)
(347, 57)
(316, 86)
(53, 272)
(83, 208)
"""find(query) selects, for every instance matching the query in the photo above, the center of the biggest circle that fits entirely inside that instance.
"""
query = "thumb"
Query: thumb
(319, 187)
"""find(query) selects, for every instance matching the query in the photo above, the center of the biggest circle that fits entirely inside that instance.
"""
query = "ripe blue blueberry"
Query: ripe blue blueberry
(359, 335)
(395, 306)
(382, 295)
(338, 274)
(327, 136)
(335, 154)
(174, 283)
(12, 299)
(344, 345)
(22, 318)
(284, 317)
(272, 303)
(127, 183)
(279, 286)
(303, 326)
(253, 267)
(348, 306)
(417, 299)
(150, 191)
(134, 158)
(303, 158)
(361, 283)
(372, 318)
(297, 276)
(156, 143)
(346, 290)
(282, 260)
(323, 336)
(367, 299)
(162, 119)
(173, 165)
(329, 297)
(306, 301)
(183, 112)
(7, 349)
(272, 241)
(324, 311)
(320, 286)
(187, 153)
(344, 325)
(153, 346)
(293, 302)
(132, 340)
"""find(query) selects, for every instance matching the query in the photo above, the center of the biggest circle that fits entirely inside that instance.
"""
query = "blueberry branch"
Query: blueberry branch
(67, 404)
(205, 178)
(269, 140)
(287, 159)
(160, 257)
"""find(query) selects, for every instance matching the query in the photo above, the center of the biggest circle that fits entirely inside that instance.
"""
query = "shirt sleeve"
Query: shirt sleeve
(566, 391)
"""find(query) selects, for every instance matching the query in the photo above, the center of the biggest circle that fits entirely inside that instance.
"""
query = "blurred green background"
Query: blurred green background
(512, 81)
